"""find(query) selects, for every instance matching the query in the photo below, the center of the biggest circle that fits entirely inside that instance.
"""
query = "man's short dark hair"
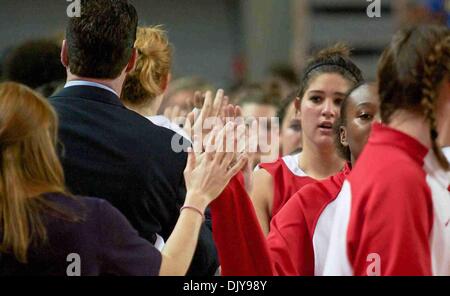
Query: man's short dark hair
(100, 42)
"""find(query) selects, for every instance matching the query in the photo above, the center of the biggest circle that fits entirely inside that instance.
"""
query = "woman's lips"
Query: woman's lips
(326, 127)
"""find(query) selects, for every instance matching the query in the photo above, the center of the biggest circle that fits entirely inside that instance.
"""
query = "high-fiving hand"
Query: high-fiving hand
(206, 179)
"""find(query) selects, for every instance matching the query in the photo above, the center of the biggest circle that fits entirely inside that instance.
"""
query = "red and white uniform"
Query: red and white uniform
(287, 177)
(393, 212)
(298, 240)
(446, 151)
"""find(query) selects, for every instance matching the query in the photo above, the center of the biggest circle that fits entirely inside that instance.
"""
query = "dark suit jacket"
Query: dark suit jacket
(111, 152)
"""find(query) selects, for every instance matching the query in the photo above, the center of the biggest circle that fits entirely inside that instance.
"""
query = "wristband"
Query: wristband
(195, 209)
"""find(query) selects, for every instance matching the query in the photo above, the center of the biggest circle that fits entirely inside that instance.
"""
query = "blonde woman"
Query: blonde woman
(144, 87)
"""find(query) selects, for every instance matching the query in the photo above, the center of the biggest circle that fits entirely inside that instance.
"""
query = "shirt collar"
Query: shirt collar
(89, 83)
(383, 134)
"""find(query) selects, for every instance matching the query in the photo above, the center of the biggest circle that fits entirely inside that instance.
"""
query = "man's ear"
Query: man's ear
(343, 136)
(64, 54)
(132, 61)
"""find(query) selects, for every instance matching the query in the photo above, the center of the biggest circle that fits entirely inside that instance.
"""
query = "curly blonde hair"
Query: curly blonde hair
(152, 66)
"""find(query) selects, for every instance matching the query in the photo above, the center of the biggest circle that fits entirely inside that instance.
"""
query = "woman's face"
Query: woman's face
(320, 107)
(362, 109)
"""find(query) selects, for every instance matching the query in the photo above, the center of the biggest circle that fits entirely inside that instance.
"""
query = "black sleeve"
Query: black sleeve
(208, 218)
(122, 251)
(205, 261)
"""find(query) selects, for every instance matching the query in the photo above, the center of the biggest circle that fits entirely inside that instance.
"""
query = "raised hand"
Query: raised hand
(206, 179)
(202, 122)
(213, 113)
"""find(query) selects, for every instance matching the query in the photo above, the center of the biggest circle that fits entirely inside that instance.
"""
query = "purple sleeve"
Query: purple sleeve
(123, 251)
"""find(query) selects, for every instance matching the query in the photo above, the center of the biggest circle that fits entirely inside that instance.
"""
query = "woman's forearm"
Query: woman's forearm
(180, 247)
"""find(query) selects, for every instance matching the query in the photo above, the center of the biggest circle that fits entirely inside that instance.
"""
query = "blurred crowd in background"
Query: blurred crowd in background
(36, 63)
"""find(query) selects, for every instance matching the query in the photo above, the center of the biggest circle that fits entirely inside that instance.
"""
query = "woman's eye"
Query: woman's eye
(338, 102)
(365, 116)
(295, 125)
(315, 99)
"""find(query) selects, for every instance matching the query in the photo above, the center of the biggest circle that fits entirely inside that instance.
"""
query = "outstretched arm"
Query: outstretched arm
(204, 182)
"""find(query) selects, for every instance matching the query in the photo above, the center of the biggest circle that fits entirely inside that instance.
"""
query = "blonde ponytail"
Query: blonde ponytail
(152, 67)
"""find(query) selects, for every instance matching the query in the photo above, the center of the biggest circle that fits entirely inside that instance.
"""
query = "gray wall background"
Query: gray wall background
(207, 34)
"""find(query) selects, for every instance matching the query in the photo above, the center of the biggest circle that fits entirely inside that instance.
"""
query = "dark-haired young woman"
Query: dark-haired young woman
(393, 214)
(297, 243)
(326, 79)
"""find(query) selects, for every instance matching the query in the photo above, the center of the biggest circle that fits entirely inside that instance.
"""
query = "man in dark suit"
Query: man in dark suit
(107, 150)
